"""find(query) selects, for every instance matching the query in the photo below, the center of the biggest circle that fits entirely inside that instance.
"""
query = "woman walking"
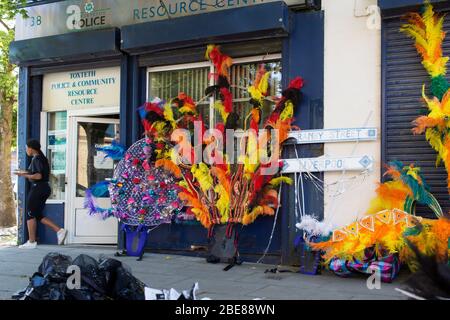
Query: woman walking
(38, 175)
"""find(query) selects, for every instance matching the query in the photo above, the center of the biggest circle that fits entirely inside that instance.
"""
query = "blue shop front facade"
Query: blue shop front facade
(87, 66)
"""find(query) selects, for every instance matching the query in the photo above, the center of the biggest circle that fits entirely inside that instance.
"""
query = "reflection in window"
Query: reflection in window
(56, 152)
(92, 166)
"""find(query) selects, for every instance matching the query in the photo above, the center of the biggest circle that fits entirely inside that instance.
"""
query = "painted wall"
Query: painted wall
(351, 99)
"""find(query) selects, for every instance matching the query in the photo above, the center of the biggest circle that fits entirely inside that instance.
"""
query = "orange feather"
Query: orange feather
(169, 166)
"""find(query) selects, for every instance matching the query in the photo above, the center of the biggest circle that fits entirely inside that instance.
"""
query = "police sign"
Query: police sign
(78, 15)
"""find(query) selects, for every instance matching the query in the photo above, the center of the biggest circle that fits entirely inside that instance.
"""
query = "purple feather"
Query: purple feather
(89, 203)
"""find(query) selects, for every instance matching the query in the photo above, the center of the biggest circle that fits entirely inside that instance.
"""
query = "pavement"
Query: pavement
(161, 271)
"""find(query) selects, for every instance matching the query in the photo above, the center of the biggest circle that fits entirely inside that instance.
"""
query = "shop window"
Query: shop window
(167, 82)
(56, 152)
(242, 76)
(190, 79)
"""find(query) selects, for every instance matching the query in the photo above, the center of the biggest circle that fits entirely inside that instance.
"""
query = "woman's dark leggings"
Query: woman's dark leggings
(38, 195)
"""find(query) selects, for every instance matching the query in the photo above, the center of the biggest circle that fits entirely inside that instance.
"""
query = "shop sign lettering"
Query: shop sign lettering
(79, 15)
(334, 135)
(322, 164)
(84, 88)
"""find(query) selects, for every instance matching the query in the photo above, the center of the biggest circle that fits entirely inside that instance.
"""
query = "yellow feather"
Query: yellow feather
(288, 111)
(277, 181)
(223, 202)
(202, 175)
(168, 115)
(221, 108)
(427, 32)
(264, 83)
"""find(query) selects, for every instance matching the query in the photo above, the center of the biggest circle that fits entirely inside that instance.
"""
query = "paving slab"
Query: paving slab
(164, 271)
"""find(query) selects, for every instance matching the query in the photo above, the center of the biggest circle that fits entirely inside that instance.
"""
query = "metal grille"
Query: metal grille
(167, 84)
(193, 81)
(404, 76)
(242, 76)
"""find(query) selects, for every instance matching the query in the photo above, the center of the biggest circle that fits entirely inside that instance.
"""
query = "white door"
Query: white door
(87, 166)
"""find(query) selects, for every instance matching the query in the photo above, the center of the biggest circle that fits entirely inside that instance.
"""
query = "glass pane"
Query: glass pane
(56, 152)
(241, 77)
(92, 166)
(167, 84)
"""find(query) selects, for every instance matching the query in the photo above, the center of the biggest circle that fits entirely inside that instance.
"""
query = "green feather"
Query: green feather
(439, 86)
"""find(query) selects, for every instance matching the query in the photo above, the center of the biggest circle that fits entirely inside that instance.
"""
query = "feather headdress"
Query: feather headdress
(427, 31)
(219, 192)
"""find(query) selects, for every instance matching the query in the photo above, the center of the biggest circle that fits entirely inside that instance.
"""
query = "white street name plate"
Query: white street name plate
(321, 164)
(334, 135)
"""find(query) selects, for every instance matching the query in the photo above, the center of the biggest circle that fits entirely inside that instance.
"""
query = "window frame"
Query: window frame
(202, 64)
(44, 139)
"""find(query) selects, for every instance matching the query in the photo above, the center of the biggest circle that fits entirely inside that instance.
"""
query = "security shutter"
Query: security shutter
(403, 77)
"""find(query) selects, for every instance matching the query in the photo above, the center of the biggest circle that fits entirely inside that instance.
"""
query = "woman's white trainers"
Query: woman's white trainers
(28, 245)
(61, 234)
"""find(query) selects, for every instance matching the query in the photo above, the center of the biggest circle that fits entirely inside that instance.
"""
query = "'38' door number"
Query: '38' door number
(35, 21)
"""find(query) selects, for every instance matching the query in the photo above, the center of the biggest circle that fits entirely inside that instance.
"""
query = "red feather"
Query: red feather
(297, 83)
(221, 61)
(227, 99)
(221, 127)
(153, 107)
(253, 125)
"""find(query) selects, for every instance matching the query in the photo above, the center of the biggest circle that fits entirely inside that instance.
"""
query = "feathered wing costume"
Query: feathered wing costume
(221, 193)
(426, 30)
(141, 194)
(389, 227)
(407, 187)
(386, 228)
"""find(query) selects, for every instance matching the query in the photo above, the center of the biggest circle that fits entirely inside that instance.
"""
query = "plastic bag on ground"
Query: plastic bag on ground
(106, 279)
(55, 265)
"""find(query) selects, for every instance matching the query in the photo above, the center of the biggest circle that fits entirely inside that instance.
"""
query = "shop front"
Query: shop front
(84, 75)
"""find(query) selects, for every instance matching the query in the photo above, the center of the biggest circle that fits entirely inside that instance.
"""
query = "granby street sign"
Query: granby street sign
(81, 15)
(333, 135)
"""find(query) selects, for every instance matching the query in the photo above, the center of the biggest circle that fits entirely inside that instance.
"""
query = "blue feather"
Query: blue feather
(100, 190)
(142, 112)
(115, 151)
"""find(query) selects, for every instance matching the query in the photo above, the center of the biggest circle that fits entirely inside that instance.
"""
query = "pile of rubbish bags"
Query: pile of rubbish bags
(105, 279)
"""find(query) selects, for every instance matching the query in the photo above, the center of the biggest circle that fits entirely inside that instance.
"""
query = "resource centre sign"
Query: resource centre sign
(80, 15)
(81, 89)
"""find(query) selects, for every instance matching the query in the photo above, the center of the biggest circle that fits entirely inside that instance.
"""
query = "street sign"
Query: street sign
(321, 164)
(334, 135)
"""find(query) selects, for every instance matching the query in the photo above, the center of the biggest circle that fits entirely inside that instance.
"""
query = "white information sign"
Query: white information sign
(100, 162)
(321, 164)
(334, 135)
(93, 88)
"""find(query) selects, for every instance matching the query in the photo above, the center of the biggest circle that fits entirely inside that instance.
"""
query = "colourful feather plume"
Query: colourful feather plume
(427, 32)
(115, 151)
(93, 209)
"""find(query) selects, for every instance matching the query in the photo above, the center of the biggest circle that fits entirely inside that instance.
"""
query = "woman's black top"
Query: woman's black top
(39, 164)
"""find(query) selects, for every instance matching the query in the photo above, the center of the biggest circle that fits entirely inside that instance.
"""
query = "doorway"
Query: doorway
(86, 167)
